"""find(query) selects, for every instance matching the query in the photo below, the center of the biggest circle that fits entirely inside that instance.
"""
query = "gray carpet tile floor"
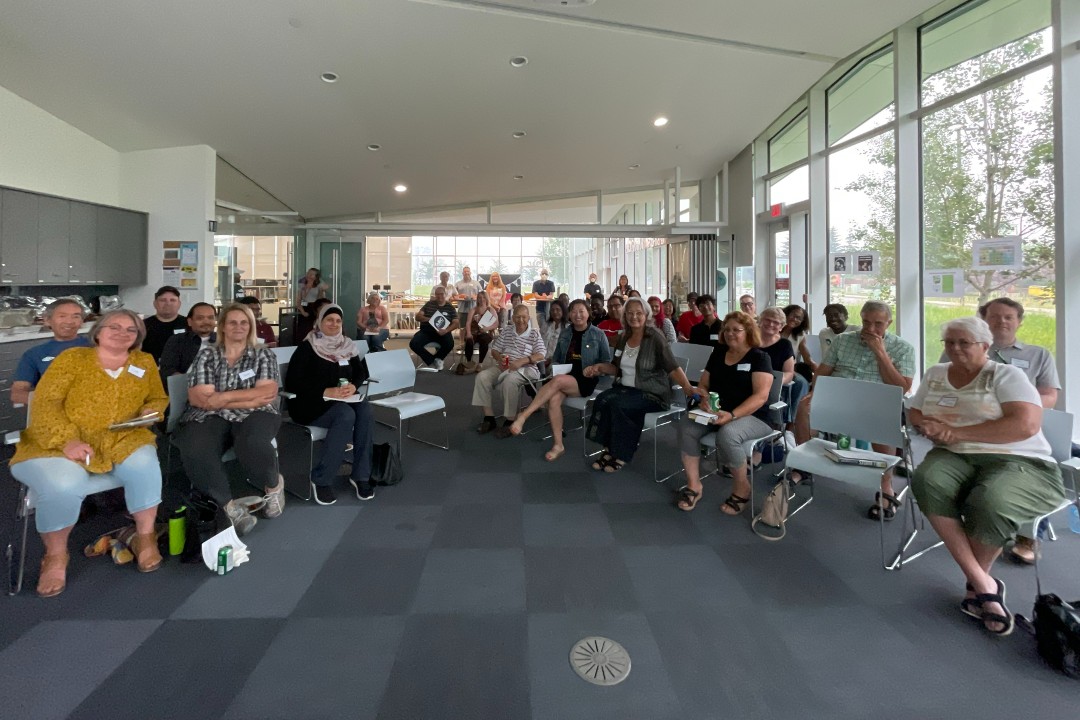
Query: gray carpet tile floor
(459, 593)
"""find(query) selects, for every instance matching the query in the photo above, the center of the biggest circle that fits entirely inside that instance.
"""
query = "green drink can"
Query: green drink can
(224, 559)
(714, 402)
(843, 442)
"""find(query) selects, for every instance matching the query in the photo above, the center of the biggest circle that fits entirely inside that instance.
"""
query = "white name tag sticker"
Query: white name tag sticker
(948, 401)
(247, 374)
(260, 341)
(343, 362)
(136, 371)
(618, 353)
(743, 367)
(178, 331)
(714, 337)
(48, 358)
(1018, 362)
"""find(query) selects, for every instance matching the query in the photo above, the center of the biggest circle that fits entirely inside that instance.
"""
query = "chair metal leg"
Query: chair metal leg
(421, 440)
(918, 522)
(15, 573)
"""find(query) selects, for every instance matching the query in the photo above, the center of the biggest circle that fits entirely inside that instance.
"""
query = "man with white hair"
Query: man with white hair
(64, 317)
(873, 355)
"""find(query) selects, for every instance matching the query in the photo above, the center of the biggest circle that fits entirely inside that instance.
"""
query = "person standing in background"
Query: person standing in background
(544, 290)
(623, 288)
(465, 292)
(64, 317)
(496, 292)
(165, 323)
(592, 289)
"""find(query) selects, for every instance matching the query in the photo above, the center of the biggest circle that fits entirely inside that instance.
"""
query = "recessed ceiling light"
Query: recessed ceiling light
(519, 177)
(374, 147)
(400, 188)
(635, 166)
(329, 77)
(519, 134)
(519, 61)
(660, 121)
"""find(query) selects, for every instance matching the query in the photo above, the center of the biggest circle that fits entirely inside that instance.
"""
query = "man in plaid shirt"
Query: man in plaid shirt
(875, 355)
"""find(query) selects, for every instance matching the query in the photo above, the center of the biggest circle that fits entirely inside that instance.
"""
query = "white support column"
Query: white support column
(908, 321)
(814, 271)
(1066, 19)
(799, 259)
(764, 262)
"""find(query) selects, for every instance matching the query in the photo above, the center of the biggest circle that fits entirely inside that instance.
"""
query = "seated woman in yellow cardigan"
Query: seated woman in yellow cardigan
(68, 441)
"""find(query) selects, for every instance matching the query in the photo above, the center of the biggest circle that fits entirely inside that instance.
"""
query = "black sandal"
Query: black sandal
(888, 511)
(1007, 621)
(614, 465)
(971, 606)
(736, 503)
(602, 461)
(686, 499)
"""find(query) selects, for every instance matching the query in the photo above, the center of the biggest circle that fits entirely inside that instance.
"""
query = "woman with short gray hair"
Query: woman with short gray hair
(990, 472)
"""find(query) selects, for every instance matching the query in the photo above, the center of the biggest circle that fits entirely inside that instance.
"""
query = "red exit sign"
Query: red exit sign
(776, 210)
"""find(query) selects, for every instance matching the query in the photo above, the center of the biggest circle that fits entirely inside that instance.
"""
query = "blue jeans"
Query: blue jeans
(61, 486)
(799, 389)
(374, 342)
(345, 423)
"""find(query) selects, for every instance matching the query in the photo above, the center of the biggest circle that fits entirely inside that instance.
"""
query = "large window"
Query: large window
(790, 145)
(862, 99)
(988, 186)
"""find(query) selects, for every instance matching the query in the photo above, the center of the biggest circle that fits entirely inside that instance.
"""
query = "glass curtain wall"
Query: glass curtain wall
(988, 169)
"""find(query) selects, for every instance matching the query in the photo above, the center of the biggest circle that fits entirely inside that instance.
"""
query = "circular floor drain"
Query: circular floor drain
(600, 661)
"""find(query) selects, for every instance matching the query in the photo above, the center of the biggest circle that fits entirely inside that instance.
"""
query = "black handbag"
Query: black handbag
(385, 464)
(1057, 633)
(203, 519)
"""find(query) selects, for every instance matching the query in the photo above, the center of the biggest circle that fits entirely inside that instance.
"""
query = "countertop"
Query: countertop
(33, 333)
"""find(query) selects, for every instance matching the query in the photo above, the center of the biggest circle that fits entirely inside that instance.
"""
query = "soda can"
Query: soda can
(505, 362)
(224, 559)
(714, 402)
(843, 442)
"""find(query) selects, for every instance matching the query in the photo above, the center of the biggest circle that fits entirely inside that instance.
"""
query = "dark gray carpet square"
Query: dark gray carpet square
(582, 525)
(558, 487)
(358, 582)
(650, 524)
(472, 581)
(479, 526)
(577, 578)
(469, 488)
(392, 526)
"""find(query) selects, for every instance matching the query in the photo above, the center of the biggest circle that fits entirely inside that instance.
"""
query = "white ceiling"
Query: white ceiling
(430, 81)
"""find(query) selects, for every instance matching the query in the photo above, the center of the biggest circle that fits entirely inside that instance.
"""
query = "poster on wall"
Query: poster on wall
(839, 263)
(943, 283)
(866, 263)
(180, 264)
(1003, 253)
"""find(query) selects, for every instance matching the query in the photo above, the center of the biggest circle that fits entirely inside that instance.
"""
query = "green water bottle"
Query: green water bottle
(177, 530)
(843, 442)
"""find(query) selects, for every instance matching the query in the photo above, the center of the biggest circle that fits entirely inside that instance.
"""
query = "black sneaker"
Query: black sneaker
(323, 494)
(364, 489)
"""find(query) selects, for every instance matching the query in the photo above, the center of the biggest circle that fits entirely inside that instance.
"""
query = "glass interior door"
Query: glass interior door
(779, 240)
(724, 284)
(342, 263)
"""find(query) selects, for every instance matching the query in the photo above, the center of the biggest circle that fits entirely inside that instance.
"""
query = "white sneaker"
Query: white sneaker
(275, 500)
(438, 364)
(789, 438)
(240, 518)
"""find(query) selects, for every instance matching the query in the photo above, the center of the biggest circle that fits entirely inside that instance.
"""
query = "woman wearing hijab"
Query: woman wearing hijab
(324, 374)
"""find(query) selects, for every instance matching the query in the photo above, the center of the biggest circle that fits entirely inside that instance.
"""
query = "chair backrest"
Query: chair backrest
(361, 347)
(813, 346)
(283, 354)
(697, 357)
(177, 387)
(393, 369)
(862, 410)
(1057, 427)
(776, 416)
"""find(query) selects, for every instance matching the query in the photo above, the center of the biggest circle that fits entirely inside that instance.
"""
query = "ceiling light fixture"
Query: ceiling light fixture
(374, 147)
(635, 166)
(400, 188)
(519, 61)
(519, 177)
(519, 134)
(660, 121)
(329, 77)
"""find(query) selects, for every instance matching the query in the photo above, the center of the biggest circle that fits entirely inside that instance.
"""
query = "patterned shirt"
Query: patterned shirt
(211, 368)
(850, 358)
(518, 346)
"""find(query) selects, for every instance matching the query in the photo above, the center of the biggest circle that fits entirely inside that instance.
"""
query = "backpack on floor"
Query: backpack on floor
(385, 464)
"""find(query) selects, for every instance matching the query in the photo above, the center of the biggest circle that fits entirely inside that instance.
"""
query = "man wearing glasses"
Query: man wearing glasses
(612, 325)
(748, 306)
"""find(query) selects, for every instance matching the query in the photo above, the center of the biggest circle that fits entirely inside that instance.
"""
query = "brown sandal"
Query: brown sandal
(145, 547)
(53, 577)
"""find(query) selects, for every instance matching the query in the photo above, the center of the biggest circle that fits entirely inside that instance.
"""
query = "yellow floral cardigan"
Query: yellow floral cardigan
(77, 400)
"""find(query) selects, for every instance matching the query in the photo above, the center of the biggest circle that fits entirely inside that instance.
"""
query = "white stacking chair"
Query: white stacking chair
(697, 357)
(865, 410)
(24, 509)
(813, 346)
(395, 375)
(283, 354)
(1057, 427)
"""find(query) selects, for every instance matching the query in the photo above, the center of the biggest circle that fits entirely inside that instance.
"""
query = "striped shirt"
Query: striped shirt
(850, 358)
(518, 346)
(211, 368)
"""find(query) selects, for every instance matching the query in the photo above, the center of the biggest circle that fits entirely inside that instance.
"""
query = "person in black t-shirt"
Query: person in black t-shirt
(706, 332)
(592, 289)
(741, 374)
(438, 320)
(165, 323)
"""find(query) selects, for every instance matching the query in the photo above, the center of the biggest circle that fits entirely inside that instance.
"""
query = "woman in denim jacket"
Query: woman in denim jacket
(582, 345)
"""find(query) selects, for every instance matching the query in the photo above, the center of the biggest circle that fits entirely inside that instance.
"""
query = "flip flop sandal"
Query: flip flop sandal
(686, 499)
(1007, 621)
(888, 511)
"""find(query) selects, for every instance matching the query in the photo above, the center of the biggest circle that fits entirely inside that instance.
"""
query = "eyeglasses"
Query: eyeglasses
(961, 344)
(121, 329)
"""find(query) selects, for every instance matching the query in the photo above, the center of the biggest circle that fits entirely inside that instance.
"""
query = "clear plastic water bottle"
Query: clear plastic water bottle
(1074, 519)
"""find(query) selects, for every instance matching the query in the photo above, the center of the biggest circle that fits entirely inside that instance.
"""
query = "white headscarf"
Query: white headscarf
(333, 348)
